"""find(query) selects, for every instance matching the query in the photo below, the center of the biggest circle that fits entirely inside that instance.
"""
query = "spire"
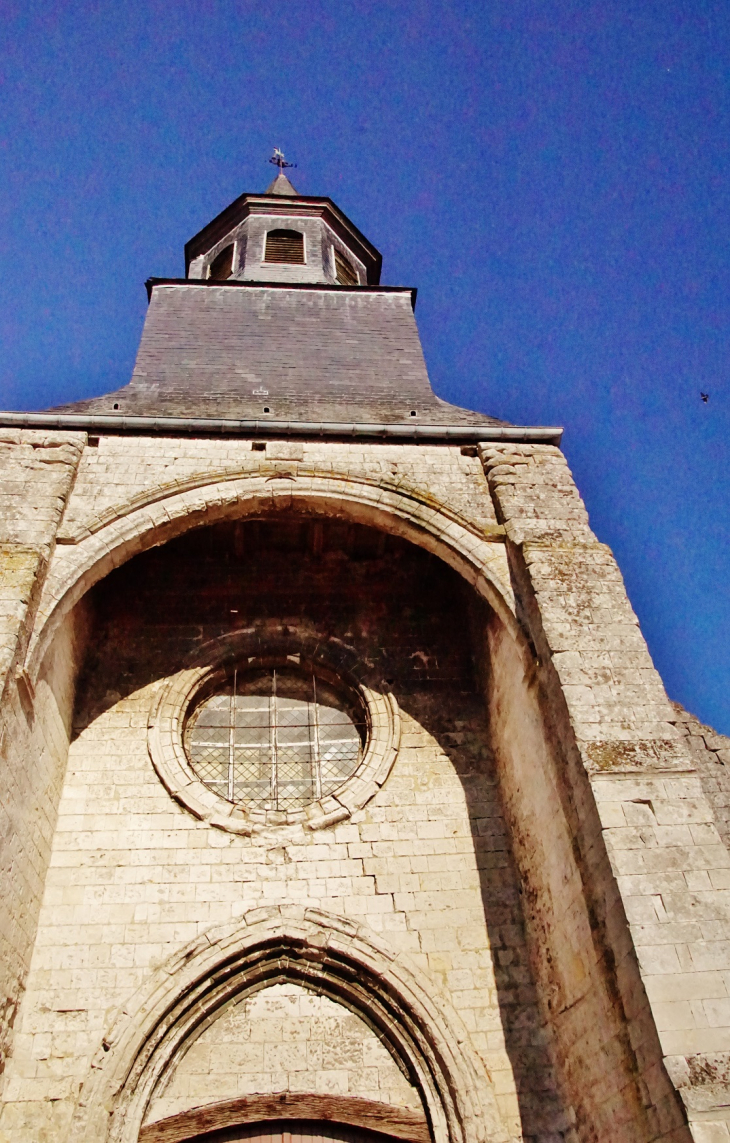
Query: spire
(281, 184)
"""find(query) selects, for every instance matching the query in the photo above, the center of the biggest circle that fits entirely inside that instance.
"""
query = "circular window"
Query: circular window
(274, 739)
(250, 741)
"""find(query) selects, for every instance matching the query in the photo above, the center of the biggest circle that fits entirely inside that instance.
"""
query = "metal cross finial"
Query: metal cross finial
(279, 161)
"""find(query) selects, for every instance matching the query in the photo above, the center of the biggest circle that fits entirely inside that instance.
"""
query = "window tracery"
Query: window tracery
(274, 740)
(262, 740)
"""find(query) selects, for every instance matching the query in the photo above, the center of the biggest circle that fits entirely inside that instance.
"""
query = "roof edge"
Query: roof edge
(118, 424)
(228, 283)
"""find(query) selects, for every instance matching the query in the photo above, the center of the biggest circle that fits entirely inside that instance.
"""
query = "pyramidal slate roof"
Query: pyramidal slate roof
(281, 185)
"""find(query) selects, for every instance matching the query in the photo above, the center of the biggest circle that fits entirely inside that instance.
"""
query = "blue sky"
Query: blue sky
(552, 176)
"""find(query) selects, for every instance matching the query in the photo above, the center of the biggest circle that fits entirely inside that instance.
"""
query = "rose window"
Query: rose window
(277, 739)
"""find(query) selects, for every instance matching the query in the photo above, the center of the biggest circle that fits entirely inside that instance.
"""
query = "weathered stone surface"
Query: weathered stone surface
(37, 470)
(548, 860)
(426, 863)
(36, 474)
(711, 755)
(656, 859)
(284, 1038)
(120, 474)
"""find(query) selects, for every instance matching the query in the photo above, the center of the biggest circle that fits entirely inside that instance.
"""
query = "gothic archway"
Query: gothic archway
(331, 955)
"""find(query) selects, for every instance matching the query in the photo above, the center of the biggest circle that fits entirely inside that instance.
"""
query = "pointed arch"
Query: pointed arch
(331, 955)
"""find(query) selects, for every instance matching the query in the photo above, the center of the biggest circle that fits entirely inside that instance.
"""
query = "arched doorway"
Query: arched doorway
(195, 992)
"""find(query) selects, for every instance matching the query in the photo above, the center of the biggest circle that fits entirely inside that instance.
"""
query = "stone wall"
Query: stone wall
(575, 986)
(711, 755)
(36, 474)
(548, 861)
(118, 475)
(654, 870)
(425, 865)
(37, 470)
(35, 732)
(284, 1038)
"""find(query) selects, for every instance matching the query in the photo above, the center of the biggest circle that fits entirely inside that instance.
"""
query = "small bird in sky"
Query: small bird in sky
(705, 397)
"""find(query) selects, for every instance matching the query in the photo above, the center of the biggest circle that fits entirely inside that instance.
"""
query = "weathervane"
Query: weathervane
(279, 161)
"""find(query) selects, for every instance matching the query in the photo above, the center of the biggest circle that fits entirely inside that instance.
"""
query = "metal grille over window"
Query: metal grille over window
(222, 265)
(344, 272)
(284, 246)
(275, 741)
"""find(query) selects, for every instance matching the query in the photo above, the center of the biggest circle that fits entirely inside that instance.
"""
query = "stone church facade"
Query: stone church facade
(339, 795)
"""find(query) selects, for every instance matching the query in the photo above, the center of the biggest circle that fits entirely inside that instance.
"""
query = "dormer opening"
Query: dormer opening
(345, 272)
(222, 265)
(284, 246)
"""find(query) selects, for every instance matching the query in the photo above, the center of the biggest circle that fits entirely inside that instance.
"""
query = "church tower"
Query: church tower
(340, 798)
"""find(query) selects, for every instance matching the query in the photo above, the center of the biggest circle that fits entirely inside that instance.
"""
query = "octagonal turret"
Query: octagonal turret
(282, 236)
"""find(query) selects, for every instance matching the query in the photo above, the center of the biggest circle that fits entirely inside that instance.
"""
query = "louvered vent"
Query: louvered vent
(345, 273)
(222, 265)
(284, 246)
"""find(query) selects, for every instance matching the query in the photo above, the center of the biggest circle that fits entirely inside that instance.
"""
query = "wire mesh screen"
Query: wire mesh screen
(277, 741)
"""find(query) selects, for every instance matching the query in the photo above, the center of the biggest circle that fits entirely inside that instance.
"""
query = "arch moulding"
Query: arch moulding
(479, 558)
(330, 955)
(169, 709)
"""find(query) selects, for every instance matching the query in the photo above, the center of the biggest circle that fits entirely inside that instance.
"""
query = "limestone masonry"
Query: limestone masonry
(440, 860)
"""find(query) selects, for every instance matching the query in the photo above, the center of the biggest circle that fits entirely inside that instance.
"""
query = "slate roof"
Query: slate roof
(281, 185)
(305, 353)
